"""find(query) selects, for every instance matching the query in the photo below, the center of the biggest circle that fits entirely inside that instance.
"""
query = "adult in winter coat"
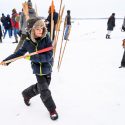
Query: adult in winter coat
(3, 19)
(123, 25)
(23, 23)
(41, 64)
(67, 25)
(48, 22)
(0, 33)
(15, 24)
(110, 25)
(8, 26)
(123, 57)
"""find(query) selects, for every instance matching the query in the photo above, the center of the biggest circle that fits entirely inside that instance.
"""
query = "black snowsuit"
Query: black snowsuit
(42, 68)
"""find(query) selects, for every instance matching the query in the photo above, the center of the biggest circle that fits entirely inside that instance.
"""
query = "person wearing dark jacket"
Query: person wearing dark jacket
(3, 19)
(7, 26)
(123, 57)
(41, 64)
(67, 25)
(110, 25)
(0, 34)
(123, 25)
(48, 22)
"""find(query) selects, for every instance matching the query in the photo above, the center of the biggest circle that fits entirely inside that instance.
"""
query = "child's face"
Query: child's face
(38, 31)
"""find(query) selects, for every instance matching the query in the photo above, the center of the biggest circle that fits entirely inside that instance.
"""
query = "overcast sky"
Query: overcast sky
(79, 8)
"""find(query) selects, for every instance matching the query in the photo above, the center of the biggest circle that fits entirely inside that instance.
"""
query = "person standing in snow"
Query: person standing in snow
(15, 24)
(41, 64)
(123, 25)
(123, 57)
(110, 25)
(48, 22)
(3, 21)
(7, 26)
(0, 33)
(23, 23)
(67, 25)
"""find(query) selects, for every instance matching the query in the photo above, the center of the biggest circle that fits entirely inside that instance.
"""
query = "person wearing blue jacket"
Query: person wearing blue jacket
(41, 64)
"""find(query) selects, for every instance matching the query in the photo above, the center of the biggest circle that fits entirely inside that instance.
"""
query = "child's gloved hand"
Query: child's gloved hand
(27, 57)
(4, 64)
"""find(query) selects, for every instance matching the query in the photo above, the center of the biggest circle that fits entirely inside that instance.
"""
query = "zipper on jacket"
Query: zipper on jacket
(40, 69)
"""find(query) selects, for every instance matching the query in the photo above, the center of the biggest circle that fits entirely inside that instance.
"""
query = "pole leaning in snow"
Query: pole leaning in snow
(58, 28)
(61, 47)
(25, 10)
(52, 22)
(61, 56)
(36, 10)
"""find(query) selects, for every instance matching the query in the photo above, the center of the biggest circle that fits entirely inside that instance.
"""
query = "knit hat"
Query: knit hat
(29, 3)
(14, 10)
(32, 23)
(68, 11)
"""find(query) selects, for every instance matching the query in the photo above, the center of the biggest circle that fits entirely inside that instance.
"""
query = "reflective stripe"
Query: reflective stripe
(41, 69)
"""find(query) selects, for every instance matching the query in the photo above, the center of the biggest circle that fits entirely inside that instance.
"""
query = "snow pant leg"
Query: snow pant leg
(44, 91)
(23, 37)
(123, 60)
(66, 32)
(109, 32)
(5, 33)
(48, 78)
(9, 33)
(31, 91)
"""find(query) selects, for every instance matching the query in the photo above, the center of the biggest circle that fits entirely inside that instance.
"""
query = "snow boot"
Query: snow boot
(53, 115)
(120, 67)
(26, 100)
(16, 40)
(109, 37)
(106, 36)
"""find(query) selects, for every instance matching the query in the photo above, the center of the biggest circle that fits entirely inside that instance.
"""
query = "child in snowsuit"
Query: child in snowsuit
(41, 64)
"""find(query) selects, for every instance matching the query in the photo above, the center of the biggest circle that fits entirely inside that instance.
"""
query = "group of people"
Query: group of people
(10, 25)
(35, 35)
(110, 27)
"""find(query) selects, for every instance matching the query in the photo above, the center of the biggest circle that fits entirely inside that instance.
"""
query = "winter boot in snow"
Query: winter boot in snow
(109, 37)
(106, 36)
(53, 115)
(26, 100)
(16, 40)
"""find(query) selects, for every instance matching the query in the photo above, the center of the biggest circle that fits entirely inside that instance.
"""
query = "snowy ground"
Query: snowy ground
(88, 90)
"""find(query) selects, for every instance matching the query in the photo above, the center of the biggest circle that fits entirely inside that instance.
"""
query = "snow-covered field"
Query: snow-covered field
(89, 89)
